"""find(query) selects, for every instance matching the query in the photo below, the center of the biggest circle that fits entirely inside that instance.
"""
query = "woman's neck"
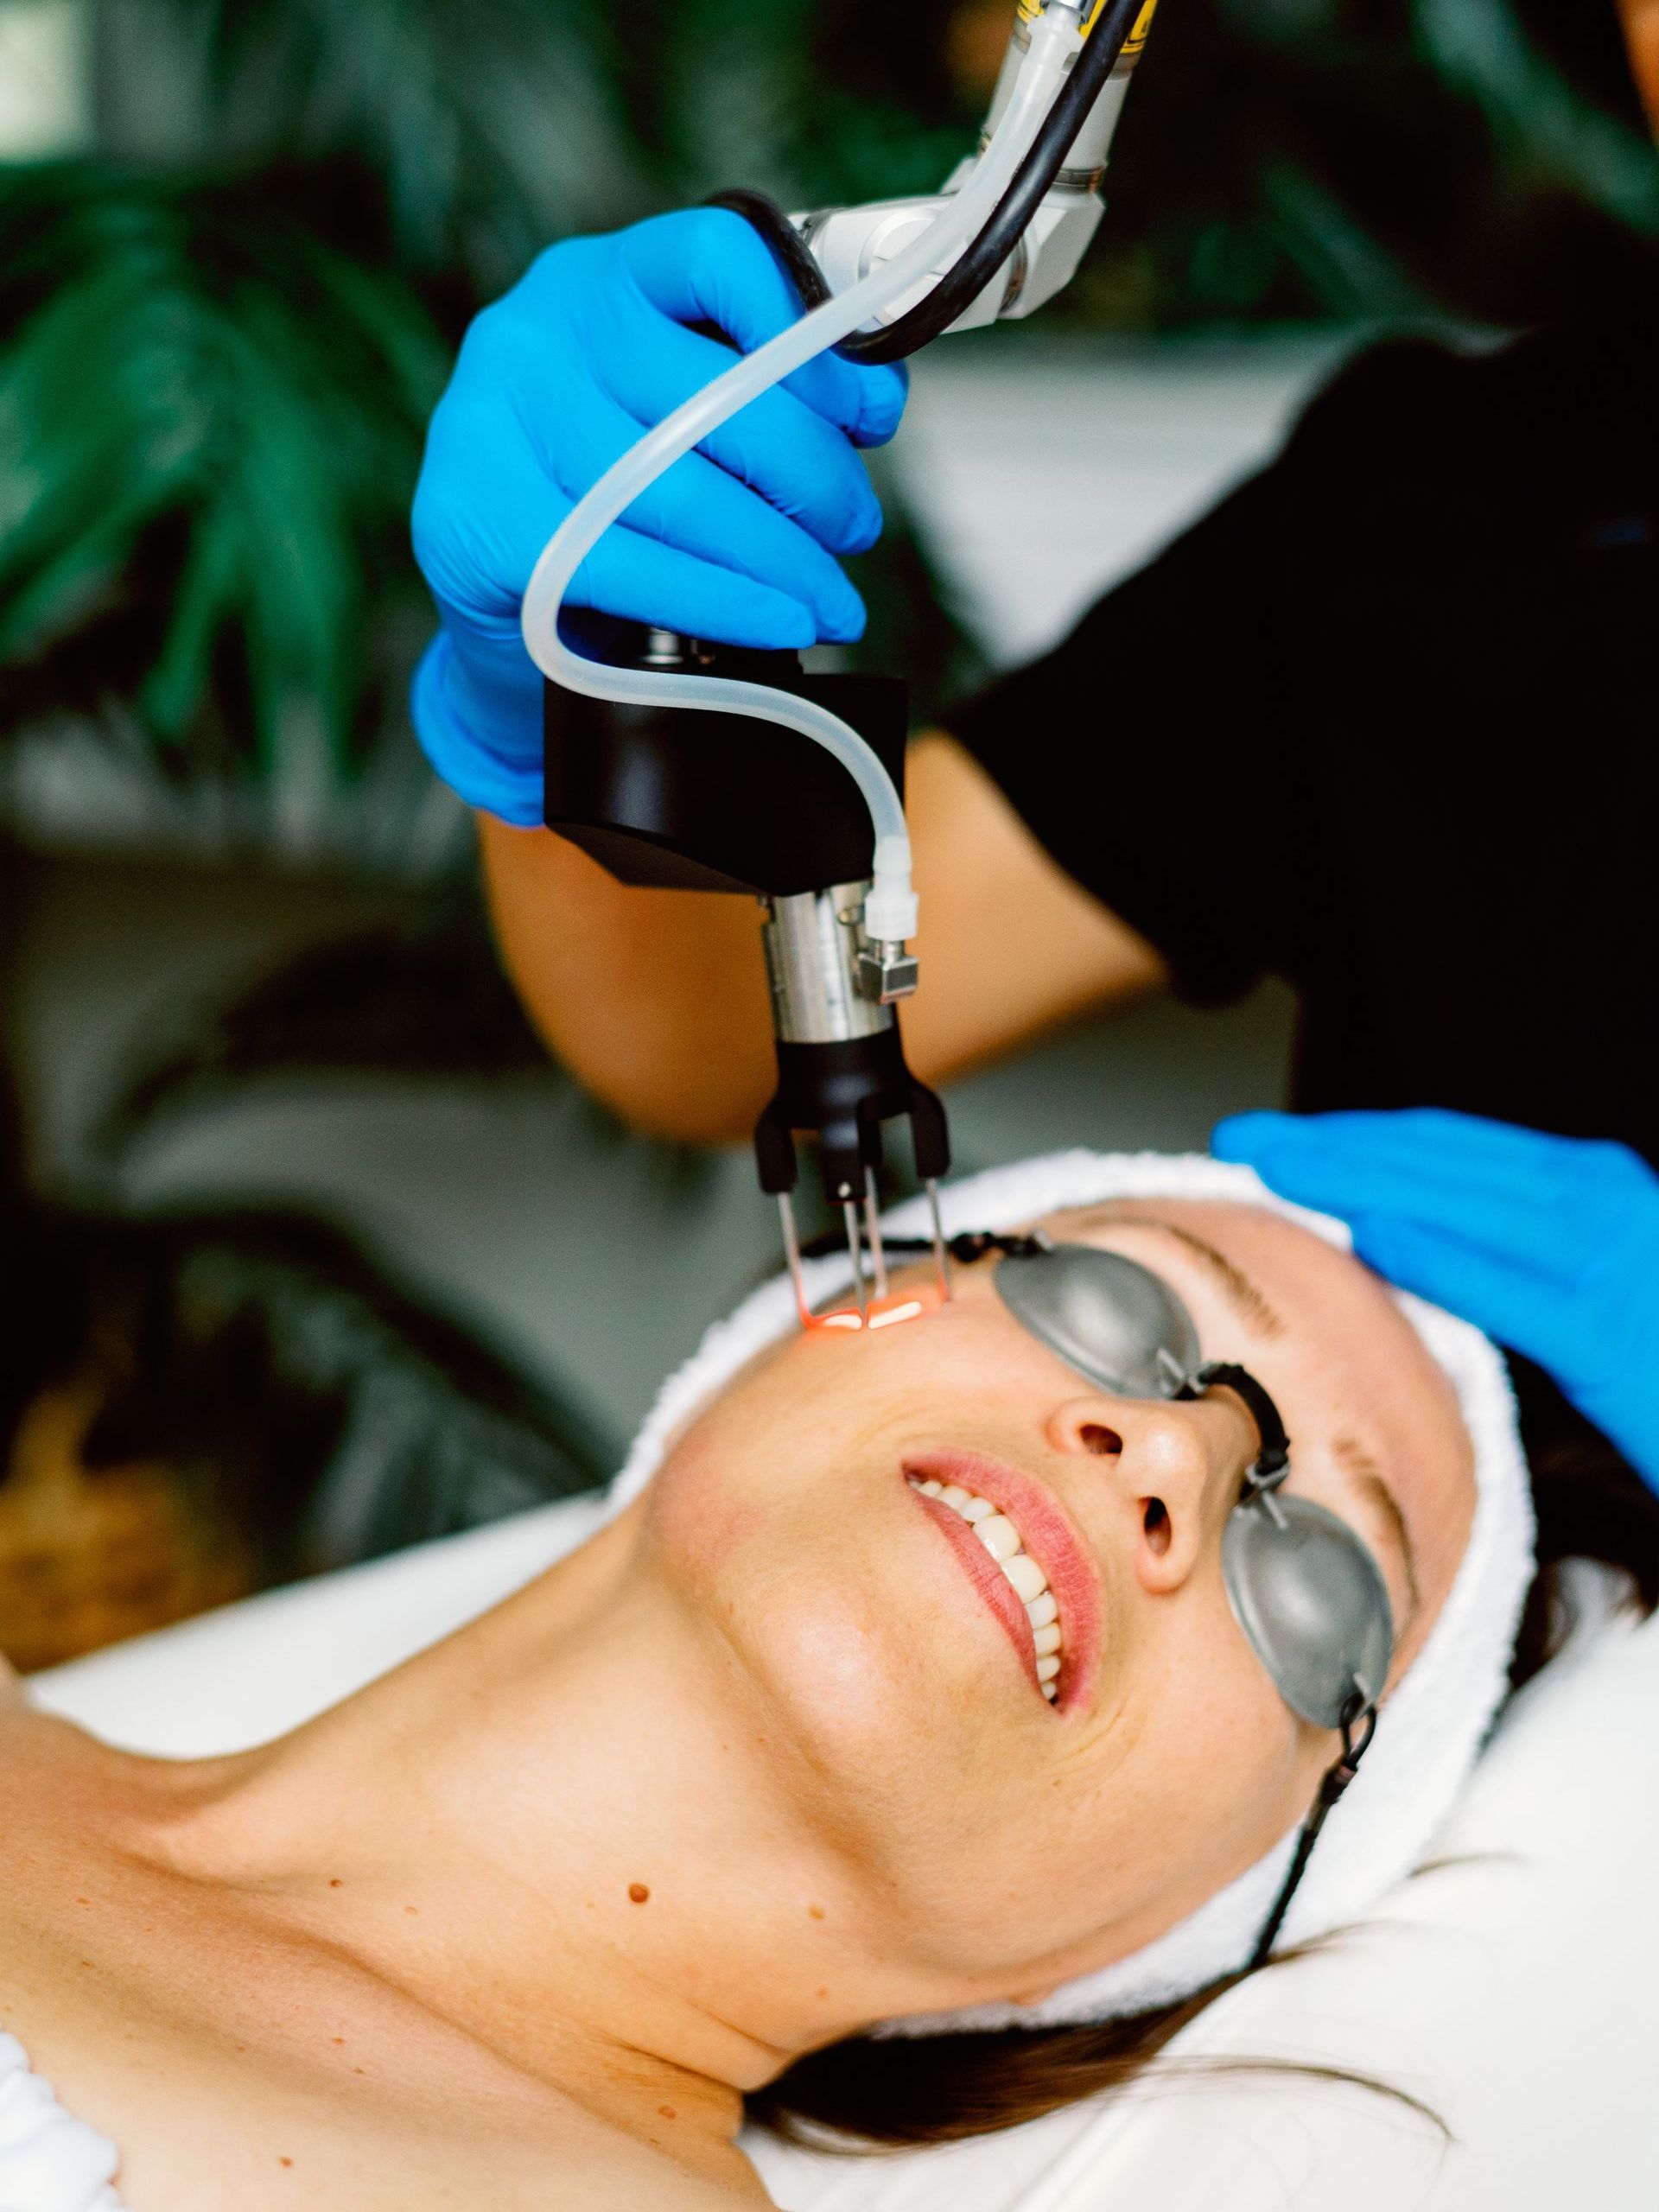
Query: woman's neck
(561, 1832)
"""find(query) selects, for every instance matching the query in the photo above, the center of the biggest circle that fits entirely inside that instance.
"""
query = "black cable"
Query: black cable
(957, 290)
(781, 234)
(1356, 1716)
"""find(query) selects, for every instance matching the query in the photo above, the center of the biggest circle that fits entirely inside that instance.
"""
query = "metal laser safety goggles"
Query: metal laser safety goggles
(1306, 1591)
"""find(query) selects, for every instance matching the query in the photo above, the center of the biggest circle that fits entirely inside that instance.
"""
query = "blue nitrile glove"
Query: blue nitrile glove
(736, 543)
(1550, 1245)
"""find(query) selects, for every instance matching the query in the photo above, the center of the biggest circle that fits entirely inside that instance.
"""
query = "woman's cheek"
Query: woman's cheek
(700, 1509)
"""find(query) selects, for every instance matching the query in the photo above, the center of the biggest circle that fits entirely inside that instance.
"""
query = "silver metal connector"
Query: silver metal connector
(886, 972)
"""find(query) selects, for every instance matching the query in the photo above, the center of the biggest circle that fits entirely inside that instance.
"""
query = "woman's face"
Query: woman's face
(1000, 1842)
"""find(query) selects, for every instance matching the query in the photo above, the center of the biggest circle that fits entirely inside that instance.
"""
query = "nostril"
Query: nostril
(1105, 1443)
(1155, 1520)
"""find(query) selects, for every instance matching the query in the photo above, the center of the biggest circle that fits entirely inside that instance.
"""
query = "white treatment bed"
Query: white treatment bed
(1510, 1986)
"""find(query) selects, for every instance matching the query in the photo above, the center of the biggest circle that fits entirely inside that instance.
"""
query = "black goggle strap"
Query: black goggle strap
(1358, 1725)
(1358, 1719)
(1272, 1462)
(973, 1244)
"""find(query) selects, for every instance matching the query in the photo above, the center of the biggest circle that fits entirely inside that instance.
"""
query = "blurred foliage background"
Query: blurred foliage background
(222, 333)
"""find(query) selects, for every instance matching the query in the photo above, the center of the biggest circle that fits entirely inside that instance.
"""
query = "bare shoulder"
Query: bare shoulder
(388, 2156)
(201, 2127)
(207, 2111)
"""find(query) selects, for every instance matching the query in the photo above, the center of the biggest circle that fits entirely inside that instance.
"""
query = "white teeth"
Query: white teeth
(1001, 1540)
(1026, 1575)
(1000, 1536)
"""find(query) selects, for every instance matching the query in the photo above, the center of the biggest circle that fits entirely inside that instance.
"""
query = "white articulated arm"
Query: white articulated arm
(849, 243)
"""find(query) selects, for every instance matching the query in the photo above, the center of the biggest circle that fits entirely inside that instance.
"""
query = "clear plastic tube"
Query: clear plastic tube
(890, 912)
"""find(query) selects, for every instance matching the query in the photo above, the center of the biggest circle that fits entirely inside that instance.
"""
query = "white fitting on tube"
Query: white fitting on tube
(890, 910)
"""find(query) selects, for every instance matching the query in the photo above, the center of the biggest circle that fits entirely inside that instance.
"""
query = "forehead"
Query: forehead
(1270, 1273)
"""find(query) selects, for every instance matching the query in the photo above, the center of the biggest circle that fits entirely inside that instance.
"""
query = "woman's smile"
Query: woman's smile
(1023, 1559)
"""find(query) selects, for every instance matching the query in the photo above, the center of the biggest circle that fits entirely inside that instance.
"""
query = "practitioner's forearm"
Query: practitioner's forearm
(657, 1000)
(1011, 947)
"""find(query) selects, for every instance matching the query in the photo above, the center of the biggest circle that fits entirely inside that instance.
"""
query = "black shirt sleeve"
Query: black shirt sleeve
(1175, 753)
(1383, 724)
(1141, 751)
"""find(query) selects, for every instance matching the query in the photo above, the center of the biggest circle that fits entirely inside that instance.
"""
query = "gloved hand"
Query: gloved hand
(735, 543)
(1551, 1245)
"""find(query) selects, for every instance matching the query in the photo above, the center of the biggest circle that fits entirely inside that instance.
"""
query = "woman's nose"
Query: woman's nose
(1159, 1466)
(1157, 1442)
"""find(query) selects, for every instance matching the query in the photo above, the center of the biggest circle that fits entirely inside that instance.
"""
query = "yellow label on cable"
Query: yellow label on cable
(1143, 31)
(1030, 10)
(1136, 39)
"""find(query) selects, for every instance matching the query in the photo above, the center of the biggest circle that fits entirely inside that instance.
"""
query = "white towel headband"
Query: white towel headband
(1433, 1725)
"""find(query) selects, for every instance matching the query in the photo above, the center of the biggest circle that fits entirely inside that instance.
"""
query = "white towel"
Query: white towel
(48, 2161)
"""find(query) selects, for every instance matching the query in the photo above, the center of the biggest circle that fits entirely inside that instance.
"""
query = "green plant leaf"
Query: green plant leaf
(1543, 125)
(210, 426)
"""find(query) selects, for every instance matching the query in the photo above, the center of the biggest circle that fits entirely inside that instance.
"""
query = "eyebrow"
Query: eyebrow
(1248, 1301)
(1355, 1460)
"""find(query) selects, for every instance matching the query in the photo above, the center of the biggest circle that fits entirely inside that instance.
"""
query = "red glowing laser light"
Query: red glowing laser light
(883, 1313)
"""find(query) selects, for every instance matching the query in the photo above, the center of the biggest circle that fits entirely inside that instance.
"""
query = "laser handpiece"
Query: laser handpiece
(737, 804)
(726, 817)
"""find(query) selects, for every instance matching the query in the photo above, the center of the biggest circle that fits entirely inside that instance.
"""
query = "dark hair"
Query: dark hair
(910, 2092)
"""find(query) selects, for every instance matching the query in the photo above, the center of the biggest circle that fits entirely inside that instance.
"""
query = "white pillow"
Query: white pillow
(1510, 1989)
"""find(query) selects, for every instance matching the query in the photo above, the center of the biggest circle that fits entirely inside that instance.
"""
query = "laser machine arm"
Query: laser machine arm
(1034, 243)
(770, 790)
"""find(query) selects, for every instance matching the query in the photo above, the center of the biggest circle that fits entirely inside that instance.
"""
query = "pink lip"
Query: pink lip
(1048, 1535)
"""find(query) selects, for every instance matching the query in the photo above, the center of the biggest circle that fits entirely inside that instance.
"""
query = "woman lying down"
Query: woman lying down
(940, 1722)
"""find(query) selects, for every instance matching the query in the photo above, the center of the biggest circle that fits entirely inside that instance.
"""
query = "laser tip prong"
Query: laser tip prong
(792, 1253)
(941, 1250)
(873, 1229)
(849, 1215)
